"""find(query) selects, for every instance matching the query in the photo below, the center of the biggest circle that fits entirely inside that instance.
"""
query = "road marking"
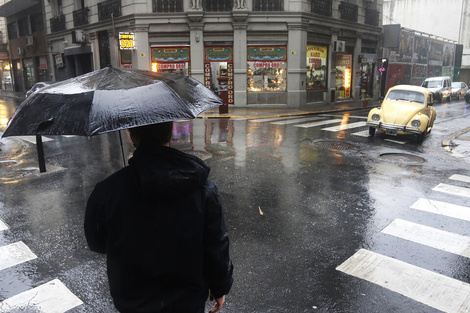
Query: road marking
(32, 139)
(432, 289)
(308, 125)
(52, 297)
(15, 253)
(396, 141)
(442, 208)
(262, 120)
(298, 120)
(345, 115)
(345, 126)
(364, 133)
(453, 190)
(3, 226)
(429, 236)
(460, 178)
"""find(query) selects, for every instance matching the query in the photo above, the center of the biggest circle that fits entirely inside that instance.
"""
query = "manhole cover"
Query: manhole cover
(402, 158)
(334, 145)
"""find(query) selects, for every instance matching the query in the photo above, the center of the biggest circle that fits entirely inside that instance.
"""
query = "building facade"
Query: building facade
(252, 52)
(446, 20)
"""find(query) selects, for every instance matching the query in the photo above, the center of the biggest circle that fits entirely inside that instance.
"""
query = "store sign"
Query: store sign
(3, 55)
(219, 54)
(126, 41)
(58, 60)
(267, 64)
(42, 63)
(344, 60)
(170, 54)
(170, 66)
(272, 53)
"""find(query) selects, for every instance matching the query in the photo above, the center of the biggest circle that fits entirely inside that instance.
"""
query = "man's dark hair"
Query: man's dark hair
(154, 134)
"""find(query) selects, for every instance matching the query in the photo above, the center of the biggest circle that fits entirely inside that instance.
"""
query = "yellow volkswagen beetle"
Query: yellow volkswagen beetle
(406, 110)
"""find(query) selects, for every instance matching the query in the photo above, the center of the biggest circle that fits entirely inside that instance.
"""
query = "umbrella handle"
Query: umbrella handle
(122, 149)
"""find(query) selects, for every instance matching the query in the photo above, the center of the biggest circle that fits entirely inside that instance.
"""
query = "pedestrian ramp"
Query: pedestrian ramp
(430, 288)
(51, 297)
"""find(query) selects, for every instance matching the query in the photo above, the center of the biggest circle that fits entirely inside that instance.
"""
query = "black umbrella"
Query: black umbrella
(110, 99)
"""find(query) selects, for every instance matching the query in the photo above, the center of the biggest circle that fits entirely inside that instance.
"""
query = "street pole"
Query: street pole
(41, 159)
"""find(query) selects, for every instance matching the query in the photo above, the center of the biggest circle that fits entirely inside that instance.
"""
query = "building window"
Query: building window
(348, 11)
(37, 22)
(109, 9)
(23, 27)
(322, 7)
(57, 23)
(218, 5)
(268, 5)
(316, 67)
(12, 30)
(372, 17)
(167, 6)
(80, 17)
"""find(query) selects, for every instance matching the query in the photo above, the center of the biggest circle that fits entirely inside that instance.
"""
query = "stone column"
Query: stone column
(239, 55)
(296, 64)
(332, 68)
(356, 71)
(141, 55)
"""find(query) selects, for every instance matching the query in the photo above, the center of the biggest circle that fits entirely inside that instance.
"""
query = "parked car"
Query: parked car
(406, 110)
(467, 96)
(440, 87)
(459, 89)
(37, 86)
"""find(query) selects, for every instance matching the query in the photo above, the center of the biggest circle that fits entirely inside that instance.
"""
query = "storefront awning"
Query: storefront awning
(77, 50)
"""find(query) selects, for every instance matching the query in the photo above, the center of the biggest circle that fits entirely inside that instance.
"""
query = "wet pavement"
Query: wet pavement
(298, 201)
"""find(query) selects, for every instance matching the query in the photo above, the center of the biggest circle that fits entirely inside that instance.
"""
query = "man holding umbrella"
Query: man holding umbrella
(161, 225)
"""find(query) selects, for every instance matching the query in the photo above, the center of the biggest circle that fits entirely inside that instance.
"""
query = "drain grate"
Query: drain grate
(402, 158)
(334, 145)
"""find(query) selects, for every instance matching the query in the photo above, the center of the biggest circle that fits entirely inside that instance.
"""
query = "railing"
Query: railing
(167, 6)
(322, 7)
(372, 17)
(108, 8)
(217, 5)
(268, 5)
(80, 17)
(57, 23)
(348, 11)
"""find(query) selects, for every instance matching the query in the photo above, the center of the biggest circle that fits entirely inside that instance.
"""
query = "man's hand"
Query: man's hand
(219, 303)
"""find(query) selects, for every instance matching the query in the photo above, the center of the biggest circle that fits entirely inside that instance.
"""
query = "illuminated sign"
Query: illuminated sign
(126, 41)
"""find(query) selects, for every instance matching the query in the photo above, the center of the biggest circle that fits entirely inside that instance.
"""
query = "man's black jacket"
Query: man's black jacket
(161, 225)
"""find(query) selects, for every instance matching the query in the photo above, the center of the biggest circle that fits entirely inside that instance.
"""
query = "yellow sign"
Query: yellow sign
(126, 41)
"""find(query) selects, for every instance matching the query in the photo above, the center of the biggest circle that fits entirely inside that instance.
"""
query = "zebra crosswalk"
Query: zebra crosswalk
(430, 288)
(51, 297)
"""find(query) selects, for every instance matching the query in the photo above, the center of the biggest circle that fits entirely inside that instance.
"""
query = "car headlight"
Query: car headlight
(416, 123)
(375, 117)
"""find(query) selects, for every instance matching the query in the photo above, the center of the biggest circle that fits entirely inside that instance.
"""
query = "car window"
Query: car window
(406, 95)
(432, 84)
(456, 85)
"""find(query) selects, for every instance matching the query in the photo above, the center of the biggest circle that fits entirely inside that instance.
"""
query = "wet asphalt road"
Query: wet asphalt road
(298, 202)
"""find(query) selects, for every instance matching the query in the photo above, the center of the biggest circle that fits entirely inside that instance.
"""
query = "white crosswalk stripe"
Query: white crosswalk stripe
(298, 120)
(3, 226)
(52, 297)
(319, 123)
(345, 126)
(453, 190)
(263, 120)
(433, 289)
(14, 254)
(442, 208)
(32, 139)
(429, 236)
(430, 288)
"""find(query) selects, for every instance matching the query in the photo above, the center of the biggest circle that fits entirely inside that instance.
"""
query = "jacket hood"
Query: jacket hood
(167, 172)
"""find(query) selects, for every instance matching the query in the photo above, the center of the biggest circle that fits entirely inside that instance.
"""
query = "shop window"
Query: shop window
(267, 76)
(171, 60)
(343, 75)
(316, 67)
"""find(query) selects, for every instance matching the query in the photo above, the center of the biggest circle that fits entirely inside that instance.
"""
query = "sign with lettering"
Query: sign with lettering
(126, 41)
(267, 53)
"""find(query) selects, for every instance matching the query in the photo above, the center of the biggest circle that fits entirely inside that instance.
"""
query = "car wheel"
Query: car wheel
(420, 137)
(371, 131)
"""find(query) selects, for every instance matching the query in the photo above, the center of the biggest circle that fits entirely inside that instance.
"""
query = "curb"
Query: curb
(448, 141)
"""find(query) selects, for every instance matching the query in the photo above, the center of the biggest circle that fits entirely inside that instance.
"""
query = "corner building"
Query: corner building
(251, 52)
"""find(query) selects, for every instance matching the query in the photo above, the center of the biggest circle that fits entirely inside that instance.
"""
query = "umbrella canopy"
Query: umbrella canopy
(110, 99)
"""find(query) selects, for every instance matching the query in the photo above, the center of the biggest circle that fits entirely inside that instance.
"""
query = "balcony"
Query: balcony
(348, 11)
(218, 5)
(322, 7)
(109, 9)
(372, 17)
(167, 6)
(80, 17)
(57, 23)
(268, 5)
